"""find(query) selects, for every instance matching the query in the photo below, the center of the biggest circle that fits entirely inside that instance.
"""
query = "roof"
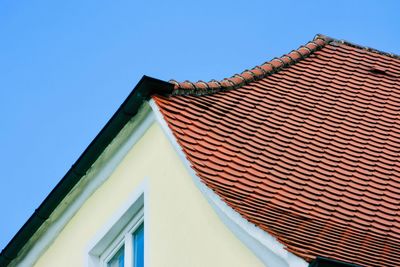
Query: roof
(305, 147)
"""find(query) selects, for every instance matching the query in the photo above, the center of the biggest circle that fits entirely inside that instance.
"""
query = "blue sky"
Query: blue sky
(66, 66)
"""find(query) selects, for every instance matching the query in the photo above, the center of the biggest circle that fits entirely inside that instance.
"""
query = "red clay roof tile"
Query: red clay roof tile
(306, 147)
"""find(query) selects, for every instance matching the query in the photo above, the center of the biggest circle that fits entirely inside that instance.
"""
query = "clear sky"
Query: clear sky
(66, 66)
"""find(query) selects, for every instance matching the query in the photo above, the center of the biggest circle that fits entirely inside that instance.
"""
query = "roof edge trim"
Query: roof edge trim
(129, 108)
(361, 47)
(266, 247)
(254, 74)
(98, 173)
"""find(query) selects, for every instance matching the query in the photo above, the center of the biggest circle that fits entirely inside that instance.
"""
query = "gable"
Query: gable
(181, 227)
(104, 144)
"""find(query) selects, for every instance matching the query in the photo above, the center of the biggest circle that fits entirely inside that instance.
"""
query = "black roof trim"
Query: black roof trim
(146, 87)
(326, 262)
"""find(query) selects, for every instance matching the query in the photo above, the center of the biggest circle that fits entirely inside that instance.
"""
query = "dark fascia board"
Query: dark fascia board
(146, 87)
(326, 262)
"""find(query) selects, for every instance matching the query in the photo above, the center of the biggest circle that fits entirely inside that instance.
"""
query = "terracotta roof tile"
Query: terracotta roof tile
(305, 146)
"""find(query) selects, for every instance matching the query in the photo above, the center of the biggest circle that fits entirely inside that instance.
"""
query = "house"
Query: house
(292, 163)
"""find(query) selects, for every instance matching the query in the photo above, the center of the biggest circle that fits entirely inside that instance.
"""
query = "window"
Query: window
(128, 248)
(123, 243)
(138, 247)
(118, 260)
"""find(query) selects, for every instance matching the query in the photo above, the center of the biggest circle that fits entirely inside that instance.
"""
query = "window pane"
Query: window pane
(118, 259)
(138, 247)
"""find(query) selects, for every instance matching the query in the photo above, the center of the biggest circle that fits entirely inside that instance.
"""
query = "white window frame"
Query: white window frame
(125, 238)
(119, 231)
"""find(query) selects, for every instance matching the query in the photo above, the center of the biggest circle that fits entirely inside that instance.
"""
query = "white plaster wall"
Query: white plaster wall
(182, 228)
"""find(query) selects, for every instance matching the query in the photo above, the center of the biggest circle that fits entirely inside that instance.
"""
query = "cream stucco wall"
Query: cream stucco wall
(182, 228)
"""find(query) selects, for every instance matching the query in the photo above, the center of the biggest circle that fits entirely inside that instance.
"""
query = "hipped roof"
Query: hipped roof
(305, 147)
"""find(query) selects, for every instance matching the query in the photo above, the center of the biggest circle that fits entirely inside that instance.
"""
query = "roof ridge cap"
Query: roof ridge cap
(334, 41)
(257, 73)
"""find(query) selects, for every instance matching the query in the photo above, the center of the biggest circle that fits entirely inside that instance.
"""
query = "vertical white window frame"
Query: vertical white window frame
(119, 231)
(125, 239)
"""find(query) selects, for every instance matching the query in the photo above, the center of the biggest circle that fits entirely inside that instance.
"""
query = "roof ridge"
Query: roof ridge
(366, 48)
(259, 72)
(270, 67)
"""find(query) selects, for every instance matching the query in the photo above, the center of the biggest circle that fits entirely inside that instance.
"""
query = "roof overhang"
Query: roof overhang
(146, 87)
